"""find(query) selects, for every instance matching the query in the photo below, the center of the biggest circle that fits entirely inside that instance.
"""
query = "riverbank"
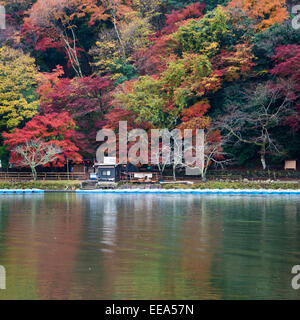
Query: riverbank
(69, 186)
(42, 185)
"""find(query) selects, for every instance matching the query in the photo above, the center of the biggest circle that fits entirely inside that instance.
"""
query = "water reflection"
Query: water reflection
(68, 246)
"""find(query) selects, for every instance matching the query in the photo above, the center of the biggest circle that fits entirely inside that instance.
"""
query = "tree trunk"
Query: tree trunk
(203, 174)
(161, 175)
(262, 157)
(263, 161)
(174, 173)
(118, 34)
(34, 173)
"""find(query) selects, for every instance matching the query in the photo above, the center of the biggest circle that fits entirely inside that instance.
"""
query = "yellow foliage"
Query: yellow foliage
(18, 101)
(147, 8)
(134, 33)
(105, 53)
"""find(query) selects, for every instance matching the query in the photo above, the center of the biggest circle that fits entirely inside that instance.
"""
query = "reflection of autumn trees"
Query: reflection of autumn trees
(66, 246)
(156, 243)
(20, 278)
(183, 247)
(94, 272)
(43, 238)
(123, 230)
(57, 260)
(201, 238)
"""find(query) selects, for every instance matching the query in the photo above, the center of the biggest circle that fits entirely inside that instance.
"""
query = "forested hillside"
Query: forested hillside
(71, 67)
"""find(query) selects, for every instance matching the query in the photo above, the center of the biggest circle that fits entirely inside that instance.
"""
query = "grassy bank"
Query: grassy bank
(235, 185)
(43, 185)
(72, 185)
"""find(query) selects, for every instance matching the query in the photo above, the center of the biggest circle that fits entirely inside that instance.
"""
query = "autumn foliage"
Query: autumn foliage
(53, 128)
(181, 16)
(18, 100)
(71, 67)
(266, 13)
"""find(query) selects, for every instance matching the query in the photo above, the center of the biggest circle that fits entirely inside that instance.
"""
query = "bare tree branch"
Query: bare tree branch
(36, 153)
(252, 122)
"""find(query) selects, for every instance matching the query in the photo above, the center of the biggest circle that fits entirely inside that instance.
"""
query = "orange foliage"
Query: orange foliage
(195, 123)
(103, 11)
(266, 12)
(194, 116)
(195, 111)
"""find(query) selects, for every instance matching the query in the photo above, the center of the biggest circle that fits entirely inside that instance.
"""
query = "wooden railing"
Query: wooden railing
(25, 176)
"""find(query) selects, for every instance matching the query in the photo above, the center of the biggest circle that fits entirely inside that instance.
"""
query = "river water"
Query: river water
(163, 246)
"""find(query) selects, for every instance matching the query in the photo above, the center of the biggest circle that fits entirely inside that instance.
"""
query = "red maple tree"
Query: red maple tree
(53, 128)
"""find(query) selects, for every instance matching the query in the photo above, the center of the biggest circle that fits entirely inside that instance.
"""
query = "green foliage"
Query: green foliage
(184, 78)
(212, 4)
(243, 154)
(146, 98)
(206, 36)
(123, 71)
(4, 156)
(160, 100)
